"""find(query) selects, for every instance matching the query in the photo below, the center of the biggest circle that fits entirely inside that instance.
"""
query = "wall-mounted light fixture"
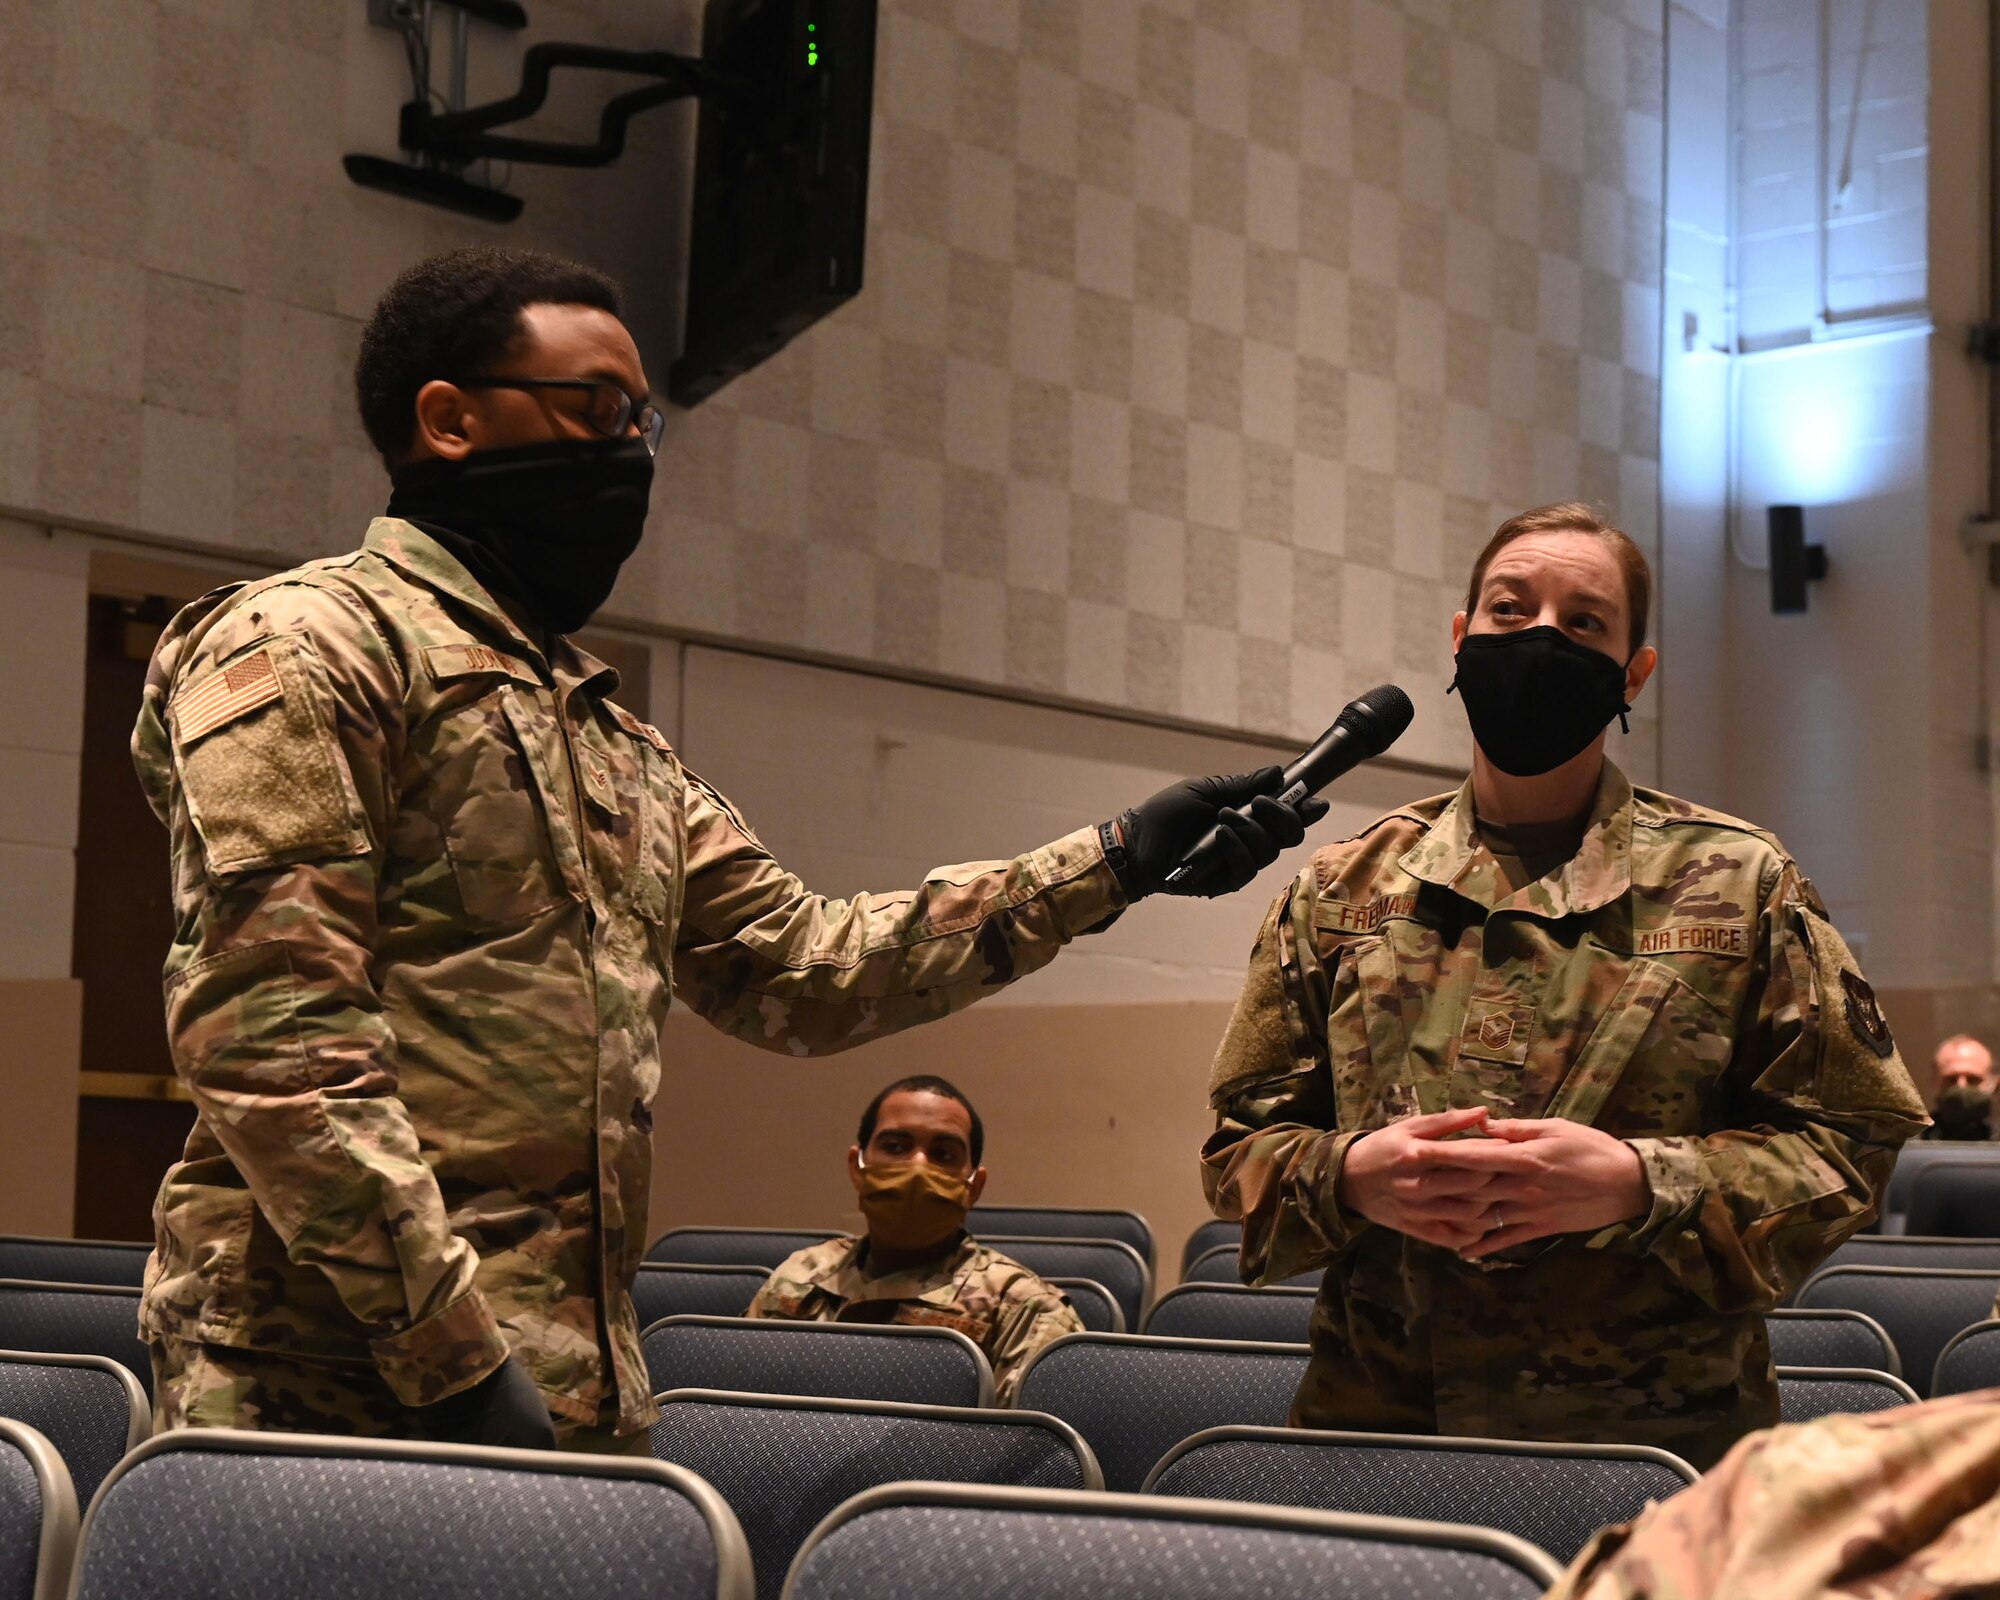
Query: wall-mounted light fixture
(1794, 563)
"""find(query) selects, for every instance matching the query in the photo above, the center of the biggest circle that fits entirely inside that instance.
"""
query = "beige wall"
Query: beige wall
(1200, 343)
(40, 1031)
(1202, 346)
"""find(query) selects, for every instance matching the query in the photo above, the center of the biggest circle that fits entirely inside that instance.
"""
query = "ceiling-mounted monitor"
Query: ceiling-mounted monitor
(780, 213)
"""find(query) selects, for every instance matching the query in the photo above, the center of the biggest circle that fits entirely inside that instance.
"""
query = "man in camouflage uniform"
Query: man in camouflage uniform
(1900, 1505)
(917, 1165)
(1563, 1102)
(434, 886)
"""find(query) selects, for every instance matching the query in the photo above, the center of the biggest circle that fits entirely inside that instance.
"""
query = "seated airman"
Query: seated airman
(915, 1163)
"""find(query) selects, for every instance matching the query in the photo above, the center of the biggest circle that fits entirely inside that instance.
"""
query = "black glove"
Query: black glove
(503, 1408)
(1254, 828)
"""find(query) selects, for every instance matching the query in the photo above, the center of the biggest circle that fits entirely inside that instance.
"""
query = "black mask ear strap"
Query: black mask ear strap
(1624, 705)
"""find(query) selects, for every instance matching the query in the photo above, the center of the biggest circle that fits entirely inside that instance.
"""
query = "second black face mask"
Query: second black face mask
(547, 525)
(1535, 697)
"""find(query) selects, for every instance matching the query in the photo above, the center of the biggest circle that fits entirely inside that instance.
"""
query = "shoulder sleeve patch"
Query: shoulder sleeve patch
(261, 769)
(1864, 1014)
(225, 694)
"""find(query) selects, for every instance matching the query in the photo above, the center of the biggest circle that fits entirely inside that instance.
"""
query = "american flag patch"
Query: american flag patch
(223, 696)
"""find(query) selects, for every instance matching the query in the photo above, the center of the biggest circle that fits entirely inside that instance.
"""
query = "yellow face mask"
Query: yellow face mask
(913, 1205)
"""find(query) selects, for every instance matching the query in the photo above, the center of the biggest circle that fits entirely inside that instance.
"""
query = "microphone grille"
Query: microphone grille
(1380, 716)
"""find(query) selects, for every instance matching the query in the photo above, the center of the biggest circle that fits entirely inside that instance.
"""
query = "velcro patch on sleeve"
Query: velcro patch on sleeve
(272, 789)
(226, 694)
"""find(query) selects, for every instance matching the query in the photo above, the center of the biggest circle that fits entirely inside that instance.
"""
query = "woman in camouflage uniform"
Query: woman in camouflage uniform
(1564, 1082)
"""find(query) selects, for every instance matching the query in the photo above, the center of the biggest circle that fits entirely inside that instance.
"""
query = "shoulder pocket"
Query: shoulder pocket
(261, 769)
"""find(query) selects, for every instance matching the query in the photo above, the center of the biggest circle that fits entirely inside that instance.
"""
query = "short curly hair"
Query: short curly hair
(924, 1083)
(451, 316)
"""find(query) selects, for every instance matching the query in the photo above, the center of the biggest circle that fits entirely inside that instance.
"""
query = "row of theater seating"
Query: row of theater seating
(1121, 1272)
(1969, 1172)
(1130, 1413)
(265, 1517)
(1129, 1403)
(1903, 1298)
(1132, 1396)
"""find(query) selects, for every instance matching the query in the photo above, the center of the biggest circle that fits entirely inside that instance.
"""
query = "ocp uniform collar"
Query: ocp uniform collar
(1600, 872)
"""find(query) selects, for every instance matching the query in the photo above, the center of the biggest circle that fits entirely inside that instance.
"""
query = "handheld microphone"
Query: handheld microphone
(1363, 730)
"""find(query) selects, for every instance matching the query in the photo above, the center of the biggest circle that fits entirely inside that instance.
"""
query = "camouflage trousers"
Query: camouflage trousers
(198, 1385)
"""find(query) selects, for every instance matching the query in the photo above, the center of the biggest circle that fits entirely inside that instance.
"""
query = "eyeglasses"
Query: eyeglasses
(608, 409)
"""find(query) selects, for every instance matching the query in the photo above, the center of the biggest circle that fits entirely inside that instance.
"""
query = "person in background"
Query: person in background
(1964, 1108)
(433, 884)
(916, 1165)
(1963, 1061)
(1564, 1082)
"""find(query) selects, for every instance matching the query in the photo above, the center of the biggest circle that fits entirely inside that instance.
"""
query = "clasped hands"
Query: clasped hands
(1519, 1180)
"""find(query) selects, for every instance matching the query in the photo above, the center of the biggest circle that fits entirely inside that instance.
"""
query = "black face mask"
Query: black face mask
(1964, 1111)
(547, 525)
(1535, 697)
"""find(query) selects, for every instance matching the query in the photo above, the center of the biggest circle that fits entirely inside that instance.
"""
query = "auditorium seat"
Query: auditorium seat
(38, 1516)
(1133, 1397)
(1912, 1160)
(1555, 1496)
(1805, 1393)
(90, 1408)
(661, 1291)
(735, 1247)
(1230, 1311)
(105, 1261)
(1920, 1309)
(1970, 1361)
(1119, 1267)
(1830, 1338)
(1956, 1200)
(1914, 1250)
(1211, 1235)
(1063, 1222)
(916, 1541)
(75, 1319)
(1219, 1266)
(784, 1462)
(229, 1515)
(1097, 1305)
(840, 1360)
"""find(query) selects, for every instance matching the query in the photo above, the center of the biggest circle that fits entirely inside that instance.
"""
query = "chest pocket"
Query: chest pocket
(1653, 1061)
(493, 765)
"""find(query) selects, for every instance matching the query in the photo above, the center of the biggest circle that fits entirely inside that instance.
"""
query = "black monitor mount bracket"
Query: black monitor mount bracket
(444, 143)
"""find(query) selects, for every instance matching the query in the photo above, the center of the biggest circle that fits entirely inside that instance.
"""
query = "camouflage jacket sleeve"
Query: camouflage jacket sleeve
(1813, 1108)
(762, 957)
(1275, 1156)
(1027, 1324)
(266, 744)
(1897, 1504)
